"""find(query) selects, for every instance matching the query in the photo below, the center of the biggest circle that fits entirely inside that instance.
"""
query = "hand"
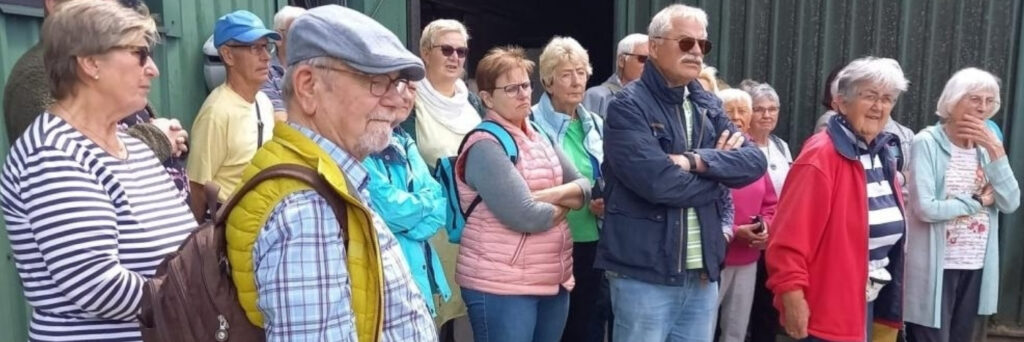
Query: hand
(729, 141)
(175, 134)
(548, 195)
(597, 207)
(987, 195)
(746, 232)
(560, 214)
(974, 130)
(681, 161)
(796, 315)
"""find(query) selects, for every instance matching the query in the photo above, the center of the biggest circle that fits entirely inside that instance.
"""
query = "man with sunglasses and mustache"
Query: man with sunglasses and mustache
(630, 57)
(236, 118)
(670, 152)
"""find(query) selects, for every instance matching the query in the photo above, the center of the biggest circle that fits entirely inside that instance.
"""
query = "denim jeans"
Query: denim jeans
(516, 318)
(651, 312)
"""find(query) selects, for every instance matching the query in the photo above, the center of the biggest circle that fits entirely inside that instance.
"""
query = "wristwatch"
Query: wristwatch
(691, 158)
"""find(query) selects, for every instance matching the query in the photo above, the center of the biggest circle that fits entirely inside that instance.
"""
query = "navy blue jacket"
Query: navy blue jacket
(644, 236)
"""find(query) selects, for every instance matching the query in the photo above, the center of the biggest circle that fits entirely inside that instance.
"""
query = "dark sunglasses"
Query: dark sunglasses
(639, 58)
(687, 43)
(143, 52)
(448, 50)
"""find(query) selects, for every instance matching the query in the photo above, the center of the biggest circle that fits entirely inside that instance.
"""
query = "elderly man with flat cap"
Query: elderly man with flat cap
(346, 79)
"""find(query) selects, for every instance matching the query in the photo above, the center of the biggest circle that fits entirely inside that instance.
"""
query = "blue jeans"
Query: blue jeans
(516, 318)
(652, 312)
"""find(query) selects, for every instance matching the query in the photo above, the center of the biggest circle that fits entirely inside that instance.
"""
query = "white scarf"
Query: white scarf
(454, 113)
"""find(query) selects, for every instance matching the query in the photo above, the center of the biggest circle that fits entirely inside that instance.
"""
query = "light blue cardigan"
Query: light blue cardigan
(926, 226)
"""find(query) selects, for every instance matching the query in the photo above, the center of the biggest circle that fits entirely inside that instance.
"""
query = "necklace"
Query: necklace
(112, 145)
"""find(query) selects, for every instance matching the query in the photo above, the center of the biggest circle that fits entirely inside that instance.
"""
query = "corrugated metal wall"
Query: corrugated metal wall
(794, 44)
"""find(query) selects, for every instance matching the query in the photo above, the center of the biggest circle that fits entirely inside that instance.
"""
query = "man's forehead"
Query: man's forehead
(688, 27)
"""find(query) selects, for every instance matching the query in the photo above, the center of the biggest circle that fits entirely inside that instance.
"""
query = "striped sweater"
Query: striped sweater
(87, 230)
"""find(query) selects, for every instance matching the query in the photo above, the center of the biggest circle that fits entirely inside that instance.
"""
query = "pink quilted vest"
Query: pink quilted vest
(497, 260)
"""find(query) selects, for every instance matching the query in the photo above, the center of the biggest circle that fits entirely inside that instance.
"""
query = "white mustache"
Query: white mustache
(691, 58)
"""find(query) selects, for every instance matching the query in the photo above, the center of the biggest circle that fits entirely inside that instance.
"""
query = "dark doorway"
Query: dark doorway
(530, 24)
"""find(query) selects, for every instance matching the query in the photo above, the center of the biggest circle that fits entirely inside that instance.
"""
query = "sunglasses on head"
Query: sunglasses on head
(639, 58)
(143, 52)
(687, 43)
(448, 50)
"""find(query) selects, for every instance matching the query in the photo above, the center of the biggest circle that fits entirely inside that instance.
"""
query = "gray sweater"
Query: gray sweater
(491, 174)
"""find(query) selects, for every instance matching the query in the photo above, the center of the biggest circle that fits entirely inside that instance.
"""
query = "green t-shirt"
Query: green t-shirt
(582, 223)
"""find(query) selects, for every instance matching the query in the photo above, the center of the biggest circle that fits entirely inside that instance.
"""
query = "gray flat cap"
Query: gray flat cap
(345, 34)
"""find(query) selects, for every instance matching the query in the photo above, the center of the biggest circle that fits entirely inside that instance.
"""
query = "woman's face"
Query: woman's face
(764, 116)
(568, 83)
(124, 75)
(869, 109)
(739, 112)
(446, 67)
(511, 99)
(977, 103)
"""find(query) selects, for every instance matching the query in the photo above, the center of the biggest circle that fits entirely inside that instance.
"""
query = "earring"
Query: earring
(96, 76)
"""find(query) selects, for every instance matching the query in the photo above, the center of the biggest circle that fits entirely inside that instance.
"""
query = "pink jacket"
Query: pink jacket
(755, 199)
(498, 260)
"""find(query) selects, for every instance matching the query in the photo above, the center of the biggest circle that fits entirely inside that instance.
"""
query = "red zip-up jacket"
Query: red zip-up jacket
(820, 239)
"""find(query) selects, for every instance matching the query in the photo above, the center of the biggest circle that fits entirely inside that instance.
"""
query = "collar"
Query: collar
(397, 151)
(848, 144)
(353, 168)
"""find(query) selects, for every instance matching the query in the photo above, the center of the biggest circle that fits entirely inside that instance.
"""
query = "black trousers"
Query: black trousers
(961, 292)
(585, 297)
(764, 319)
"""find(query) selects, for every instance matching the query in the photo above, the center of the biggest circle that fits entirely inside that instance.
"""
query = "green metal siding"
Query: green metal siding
(793, 45)
(178, 92)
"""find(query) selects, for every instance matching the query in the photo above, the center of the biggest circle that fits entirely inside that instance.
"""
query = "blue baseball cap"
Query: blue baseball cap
(241, 26)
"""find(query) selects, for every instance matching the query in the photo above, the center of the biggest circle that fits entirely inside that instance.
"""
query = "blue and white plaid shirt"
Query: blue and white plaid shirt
(302, 277)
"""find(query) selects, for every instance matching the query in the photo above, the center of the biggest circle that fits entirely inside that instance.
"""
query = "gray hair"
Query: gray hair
(84, 28)
(288, 87)
(730, 95)
(284, 17)
(885, 72)
(662, 22)
(762, 91)
(963, 82)
(562, 49)
(436, 28)
(629, 43)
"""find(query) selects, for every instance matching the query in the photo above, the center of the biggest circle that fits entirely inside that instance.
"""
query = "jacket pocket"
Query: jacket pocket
(519, 249)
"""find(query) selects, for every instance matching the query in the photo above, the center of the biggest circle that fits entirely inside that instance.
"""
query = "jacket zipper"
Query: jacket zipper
(519, 248)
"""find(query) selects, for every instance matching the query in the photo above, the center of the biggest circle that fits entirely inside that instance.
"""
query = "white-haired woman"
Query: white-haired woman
(960, 181)
(89, 210)
(764, 119)
(564, 70)
(838, 234)
(754, 207)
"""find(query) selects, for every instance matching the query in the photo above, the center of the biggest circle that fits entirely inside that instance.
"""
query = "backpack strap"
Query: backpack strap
(299, 173)
(504, 138)
(211, 190)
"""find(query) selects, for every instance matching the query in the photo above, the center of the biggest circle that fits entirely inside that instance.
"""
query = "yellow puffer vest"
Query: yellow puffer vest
(290, 146)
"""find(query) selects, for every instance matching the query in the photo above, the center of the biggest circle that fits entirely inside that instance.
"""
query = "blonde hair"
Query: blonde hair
(562, 49)
(437, 28)
(499, 61)
(709, 74)
(84, 28)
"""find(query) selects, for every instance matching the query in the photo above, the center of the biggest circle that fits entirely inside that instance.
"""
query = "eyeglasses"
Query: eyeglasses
(142, 52)
(448, 50)
(515, 89)
(687, 43)
(256, 48)
(978, 101)
(379, 84)
(639, 58)
(773, 109)
(873, 98)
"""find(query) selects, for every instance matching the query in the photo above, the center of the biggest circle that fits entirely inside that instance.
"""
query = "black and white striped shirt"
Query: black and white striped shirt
(87, 230)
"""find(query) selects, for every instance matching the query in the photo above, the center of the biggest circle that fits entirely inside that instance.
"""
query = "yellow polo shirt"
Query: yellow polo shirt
(224, 137)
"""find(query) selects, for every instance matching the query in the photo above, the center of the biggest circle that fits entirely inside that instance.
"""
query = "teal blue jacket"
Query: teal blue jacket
(412, 204)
